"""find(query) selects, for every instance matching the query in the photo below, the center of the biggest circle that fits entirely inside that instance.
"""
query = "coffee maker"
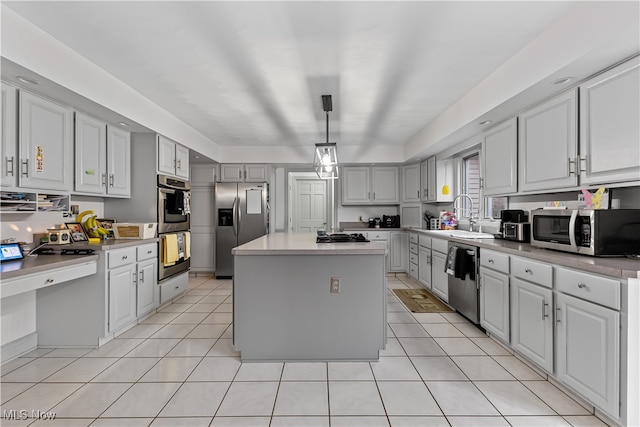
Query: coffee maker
(514, 225)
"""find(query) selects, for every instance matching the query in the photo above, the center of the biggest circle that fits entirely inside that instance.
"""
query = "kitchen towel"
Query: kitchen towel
(464, 265)
(169, 249)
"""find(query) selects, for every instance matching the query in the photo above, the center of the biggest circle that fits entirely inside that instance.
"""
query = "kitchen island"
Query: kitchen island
(284, 308)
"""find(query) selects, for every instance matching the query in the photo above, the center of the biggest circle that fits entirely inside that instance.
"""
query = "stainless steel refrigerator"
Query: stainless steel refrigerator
(241, 216)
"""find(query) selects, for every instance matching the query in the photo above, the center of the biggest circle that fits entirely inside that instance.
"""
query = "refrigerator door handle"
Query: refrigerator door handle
(235, 216)
(239, 217)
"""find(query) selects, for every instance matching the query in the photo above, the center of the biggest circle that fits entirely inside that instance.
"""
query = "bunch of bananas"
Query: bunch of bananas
(91, 224)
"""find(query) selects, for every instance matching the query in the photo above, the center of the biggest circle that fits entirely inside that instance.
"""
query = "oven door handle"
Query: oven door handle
(572, 230)
(234, 213)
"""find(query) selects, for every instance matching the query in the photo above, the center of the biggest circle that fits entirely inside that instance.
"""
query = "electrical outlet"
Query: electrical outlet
(335, 285)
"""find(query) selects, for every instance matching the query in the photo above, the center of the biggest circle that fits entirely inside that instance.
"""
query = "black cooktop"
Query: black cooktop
(341, 238)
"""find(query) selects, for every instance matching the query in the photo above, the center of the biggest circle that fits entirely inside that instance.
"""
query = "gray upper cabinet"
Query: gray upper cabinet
(365, 185)
(119, 162)
(428, 173)
(547, 143)
(385, 184)
(10, 164)
(500, 159)
(356, 185)
(102, 158)
(173, 158)
(91, 155)
(411, 183)
(610, 125)
(244, 173)
(46, 144)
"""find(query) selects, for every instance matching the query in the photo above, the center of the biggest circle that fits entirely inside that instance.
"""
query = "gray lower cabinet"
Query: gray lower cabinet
(439, 278)
(588, 336)
(495, 293)
(531, 322)
(494, 303)
(173, 287)
(397, 251)
(589, 351)
(424, 266)
(132, 283)
(413, 256)
(122, 296)
(147, 291)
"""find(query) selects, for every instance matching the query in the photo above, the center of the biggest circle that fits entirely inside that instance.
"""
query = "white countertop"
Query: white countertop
(304, 244)
(609, 266)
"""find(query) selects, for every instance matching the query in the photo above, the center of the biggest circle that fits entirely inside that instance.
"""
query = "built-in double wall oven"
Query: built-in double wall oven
(174, 215)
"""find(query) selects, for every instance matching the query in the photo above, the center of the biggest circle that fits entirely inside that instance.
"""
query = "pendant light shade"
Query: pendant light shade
(325, 159)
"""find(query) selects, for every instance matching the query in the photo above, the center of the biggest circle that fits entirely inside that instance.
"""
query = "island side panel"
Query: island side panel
(284, 311)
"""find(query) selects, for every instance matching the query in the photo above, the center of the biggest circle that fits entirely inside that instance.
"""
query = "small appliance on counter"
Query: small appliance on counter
(518, 231)
(594, 232)
(375, 222)
(390, 221)
(514, 225)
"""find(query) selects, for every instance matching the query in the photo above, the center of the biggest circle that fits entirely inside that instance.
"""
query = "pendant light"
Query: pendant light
(325, 160)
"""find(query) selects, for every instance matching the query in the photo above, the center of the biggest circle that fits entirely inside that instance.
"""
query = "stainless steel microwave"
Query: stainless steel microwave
(595, 232)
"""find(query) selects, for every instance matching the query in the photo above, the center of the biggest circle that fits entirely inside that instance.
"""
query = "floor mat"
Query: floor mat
(421, 301)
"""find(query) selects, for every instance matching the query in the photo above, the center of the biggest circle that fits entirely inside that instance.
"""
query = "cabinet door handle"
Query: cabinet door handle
(490, 261)
(124, 257)
(9, 161)
(418, 194)
(111, 179)
(141, 275)
(528, 270)
(179, 164)
(49, 280)
(558, 313)
(149, 252)
(582, 161)
(582, 285)
(104, 179)
(25, 167)
(569, 163)
(544, 310)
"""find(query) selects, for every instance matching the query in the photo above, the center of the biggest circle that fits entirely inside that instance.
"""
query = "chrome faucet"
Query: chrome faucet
(469, 210)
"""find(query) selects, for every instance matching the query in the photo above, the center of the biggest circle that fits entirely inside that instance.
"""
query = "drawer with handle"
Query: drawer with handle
(413, 248)
(413, 238)
(413, 258)
(597, 289)
(147, 251)
(494, 260)
(532, 271)
(378, 235)
(120, 257)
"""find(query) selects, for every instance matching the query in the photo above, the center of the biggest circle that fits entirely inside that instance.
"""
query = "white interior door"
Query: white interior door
(309, 205)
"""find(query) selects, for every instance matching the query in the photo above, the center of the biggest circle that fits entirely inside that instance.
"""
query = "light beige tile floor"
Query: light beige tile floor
(178, 368)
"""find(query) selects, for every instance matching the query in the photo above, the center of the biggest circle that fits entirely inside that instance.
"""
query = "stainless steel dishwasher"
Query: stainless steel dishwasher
(462, 268)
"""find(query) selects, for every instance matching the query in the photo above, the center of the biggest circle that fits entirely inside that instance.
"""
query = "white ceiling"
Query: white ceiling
(252, 73)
